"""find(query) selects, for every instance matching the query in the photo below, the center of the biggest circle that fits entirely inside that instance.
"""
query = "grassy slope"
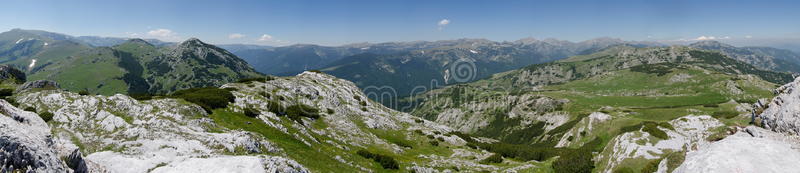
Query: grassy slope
(634, 97)
(94, 70)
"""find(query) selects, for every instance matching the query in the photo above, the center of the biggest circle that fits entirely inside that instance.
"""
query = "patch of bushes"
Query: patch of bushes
(11, 101)
(295, 112)
(46, 116)
(255, 79)
(330, 111)
(387, 162)
(525, 135)
(316, 71)
(666, 125)
(83, 92)
(143, 96)
(711, 105)
(724, 114)
(574, 161)
(208, 98)
(5, 92)
(630, 128)
(418, 121)
(660, 69)
(494, 158)
(275, 107)
(652, 128)
(401, 143)
(434, 143)
(651, 166)
(250, 112)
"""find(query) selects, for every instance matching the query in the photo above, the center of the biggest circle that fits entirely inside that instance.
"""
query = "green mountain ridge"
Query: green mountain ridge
(134, 66)
(592, 100)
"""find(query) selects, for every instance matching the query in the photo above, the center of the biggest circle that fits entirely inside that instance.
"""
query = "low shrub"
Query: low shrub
(143, 96)
(434, 143)
(11, 101)
(652, 128)
(255, 79)
(316, 71)
(209, 98)
(666, 125)
(574, 161)
(494, 158)
(295, 112)
(330, 111)
(30, 109)
(83, 92)
(418, 121)
(46, 116)
(724, 114)
(651, 166)
(5, 92)
(387, 162)
(630, 128)
(250, 112)
(275, 107)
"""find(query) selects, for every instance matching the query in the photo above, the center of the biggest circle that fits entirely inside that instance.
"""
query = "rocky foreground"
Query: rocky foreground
(94, 133)
(773, 148)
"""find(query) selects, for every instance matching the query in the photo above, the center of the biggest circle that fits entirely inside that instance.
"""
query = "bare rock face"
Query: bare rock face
(38, 84)
(783, 113)
(25, 142)
(750, 150)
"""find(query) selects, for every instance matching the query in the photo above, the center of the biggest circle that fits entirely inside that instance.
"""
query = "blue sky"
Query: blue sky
(341, 22)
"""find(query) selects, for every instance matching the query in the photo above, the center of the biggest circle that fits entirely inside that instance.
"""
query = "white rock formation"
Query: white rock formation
(763, 151)
(26, 144)
(690, 132)
(122, 134)
(783, 113)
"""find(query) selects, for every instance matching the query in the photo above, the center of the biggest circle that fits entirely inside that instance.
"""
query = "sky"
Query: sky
(328, 22)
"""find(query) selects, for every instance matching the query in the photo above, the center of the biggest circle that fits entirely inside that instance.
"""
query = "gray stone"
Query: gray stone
(38, 84)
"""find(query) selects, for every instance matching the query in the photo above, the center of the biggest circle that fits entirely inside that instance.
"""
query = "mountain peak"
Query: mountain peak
(713, 43)
(192, 41)
(137, 41)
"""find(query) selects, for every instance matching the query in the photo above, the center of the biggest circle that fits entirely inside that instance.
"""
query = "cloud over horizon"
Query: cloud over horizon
(236, 36)
(442, 23)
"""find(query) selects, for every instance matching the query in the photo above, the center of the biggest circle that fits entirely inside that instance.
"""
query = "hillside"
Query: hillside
(633, 106)
(137, 66)
(469, 60)
(311, 122)
(761, 57)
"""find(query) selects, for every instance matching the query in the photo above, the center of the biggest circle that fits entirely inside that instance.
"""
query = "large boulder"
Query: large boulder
(26, 144)
(38, 84)
(8, 72)
(783, 113)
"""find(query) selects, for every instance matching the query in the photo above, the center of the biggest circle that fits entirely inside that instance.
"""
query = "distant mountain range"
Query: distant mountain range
(133, 66)
(404, 66)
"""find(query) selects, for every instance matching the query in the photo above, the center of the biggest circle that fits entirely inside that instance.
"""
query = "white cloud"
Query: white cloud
(265, 37)
(236, 36)
(132, 34)
(748, 36)
(704, 38)
(442, 23)
(701, 38)
(161, 33)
